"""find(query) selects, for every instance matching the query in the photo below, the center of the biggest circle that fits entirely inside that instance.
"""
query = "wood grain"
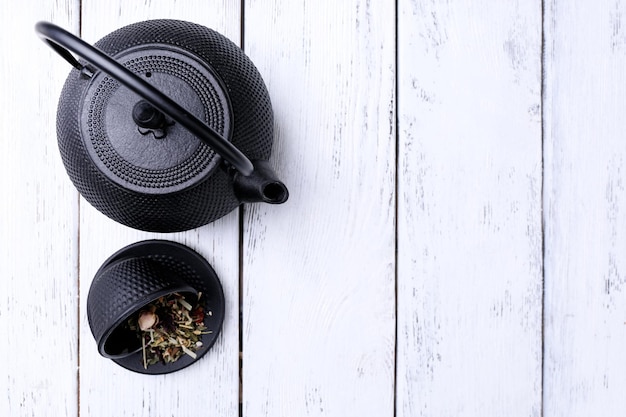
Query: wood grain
(319, 325)
(38, 223)
(585, 154)
(469, 209)
(334, 322)
(210, 386)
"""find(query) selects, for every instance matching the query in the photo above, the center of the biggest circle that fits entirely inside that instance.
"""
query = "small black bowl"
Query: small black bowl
(120, 290)
(138, 275)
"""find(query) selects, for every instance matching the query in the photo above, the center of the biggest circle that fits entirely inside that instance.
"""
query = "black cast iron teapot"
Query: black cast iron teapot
(130, 116)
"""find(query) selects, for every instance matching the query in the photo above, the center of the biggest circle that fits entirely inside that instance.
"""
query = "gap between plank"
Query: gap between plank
(542, 208)
(241, 218)
(396, 199)
(240, 315)
(78, 295)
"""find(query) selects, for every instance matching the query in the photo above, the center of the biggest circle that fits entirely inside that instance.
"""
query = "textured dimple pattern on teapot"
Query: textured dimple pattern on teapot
(211, 196)
(246, 89)
(184, 271)
(126, 286)
(145, 178)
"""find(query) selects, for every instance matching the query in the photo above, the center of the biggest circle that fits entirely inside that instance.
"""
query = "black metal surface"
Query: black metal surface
(148, 117)
(130, 157)
(122, 289)
(191, 268)
(181, 195)
(262, 182)
(103, 62)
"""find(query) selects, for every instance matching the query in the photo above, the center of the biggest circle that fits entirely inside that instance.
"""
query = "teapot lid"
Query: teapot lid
(136, 146)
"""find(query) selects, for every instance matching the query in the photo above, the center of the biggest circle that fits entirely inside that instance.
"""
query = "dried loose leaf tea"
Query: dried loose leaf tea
(169, 328)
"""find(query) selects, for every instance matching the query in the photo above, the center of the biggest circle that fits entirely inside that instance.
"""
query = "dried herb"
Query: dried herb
(169, 328)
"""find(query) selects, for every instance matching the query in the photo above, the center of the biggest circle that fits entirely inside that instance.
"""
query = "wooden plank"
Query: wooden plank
(211, 386)
(469, 208)
(585, 154)
(38, 225)
(319, 283)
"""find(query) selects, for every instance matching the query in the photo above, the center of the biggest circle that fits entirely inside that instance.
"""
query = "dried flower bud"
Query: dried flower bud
(147, 320)
(176, 331)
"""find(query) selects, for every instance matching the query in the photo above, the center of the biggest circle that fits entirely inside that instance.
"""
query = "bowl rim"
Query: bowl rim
(152, 249)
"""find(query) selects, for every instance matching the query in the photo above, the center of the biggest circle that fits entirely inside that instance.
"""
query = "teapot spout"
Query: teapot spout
(261, 185)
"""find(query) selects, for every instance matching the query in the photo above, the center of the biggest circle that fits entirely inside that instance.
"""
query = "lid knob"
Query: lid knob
(147, 116)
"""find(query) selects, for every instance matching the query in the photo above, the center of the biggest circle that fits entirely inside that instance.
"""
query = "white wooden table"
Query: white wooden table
(454, 243)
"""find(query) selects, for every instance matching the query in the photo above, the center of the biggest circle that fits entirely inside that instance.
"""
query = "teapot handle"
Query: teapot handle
(63, 42)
